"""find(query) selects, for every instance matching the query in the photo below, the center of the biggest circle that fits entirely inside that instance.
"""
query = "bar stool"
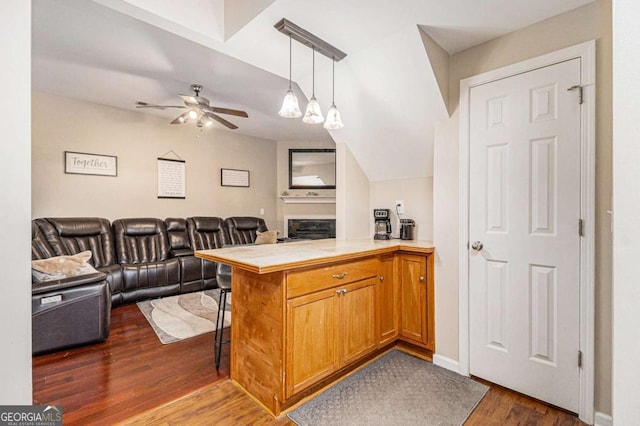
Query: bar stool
(223, 276)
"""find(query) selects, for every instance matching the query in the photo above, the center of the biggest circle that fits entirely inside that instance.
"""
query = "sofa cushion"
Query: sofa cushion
(207, 232)
(242, 230)
(60, 267)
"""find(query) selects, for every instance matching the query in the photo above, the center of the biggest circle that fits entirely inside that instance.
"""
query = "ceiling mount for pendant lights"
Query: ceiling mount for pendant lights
(290, 108)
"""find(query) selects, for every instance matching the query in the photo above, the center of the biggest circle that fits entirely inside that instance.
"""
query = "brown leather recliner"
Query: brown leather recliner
(142, 249)
(242, 230)
(67, 312)
(71, 235)
(205, 233)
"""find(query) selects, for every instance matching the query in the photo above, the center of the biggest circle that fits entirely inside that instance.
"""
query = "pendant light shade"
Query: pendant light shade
(290, 108)
(313, 114)
(333, 122)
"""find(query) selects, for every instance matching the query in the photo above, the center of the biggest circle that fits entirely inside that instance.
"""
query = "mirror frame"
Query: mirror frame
(307, 151)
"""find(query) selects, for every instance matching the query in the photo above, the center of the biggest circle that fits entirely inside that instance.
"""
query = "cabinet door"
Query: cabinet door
(413, 295)
(387, 301)
(357, 326)
(312, 339)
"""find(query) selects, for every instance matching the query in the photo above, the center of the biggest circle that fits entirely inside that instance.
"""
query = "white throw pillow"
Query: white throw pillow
(267, 237)
(59, 267)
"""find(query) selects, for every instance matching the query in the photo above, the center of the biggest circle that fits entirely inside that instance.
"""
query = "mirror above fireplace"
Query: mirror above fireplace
(312, 169)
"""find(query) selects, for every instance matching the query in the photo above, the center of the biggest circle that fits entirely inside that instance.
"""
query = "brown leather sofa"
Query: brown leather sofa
(242, 230)
(136, 258)
(69, 311)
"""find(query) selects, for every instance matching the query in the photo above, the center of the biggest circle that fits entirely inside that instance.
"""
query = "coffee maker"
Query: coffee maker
(382, 224)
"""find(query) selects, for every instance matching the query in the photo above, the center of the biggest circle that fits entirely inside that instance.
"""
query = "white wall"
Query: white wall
(283, 183)
(589, 22)
(63, 124)
(417, 194)
(626, 193)
(15, 163)
(352, 197)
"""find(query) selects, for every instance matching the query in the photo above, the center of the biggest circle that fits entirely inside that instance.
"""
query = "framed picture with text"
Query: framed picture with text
(234, 177)
(82, 163)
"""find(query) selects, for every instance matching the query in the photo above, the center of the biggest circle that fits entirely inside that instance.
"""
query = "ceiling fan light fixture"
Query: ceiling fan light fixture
(193, 114)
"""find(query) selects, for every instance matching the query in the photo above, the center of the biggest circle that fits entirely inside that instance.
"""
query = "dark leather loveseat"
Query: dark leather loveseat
(135, 259)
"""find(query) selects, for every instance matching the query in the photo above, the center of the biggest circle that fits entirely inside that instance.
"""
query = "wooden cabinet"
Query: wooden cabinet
(413, 297)
(330, 328)
(300, 324)
(387, 301)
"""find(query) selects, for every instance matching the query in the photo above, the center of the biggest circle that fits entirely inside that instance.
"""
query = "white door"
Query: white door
(524, 208)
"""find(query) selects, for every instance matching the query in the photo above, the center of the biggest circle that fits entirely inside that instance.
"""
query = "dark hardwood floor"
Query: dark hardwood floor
(134, 379)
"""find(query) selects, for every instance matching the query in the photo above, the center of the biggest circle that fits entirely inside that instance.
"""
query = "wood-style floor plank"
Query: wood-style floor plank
(134, 379)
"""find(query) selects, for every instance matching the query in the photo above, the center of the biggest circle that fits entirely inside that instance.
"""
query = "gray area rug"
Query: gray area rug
(396, 389)
(180, 317)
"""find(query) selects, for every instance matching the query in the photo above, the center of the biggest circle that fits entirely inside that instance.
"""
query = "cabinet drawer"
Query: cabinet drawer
(320, 278)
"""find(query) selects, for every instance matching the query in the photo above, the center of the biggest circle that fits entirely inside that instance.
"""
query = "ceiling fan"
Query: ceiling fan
(198, 110)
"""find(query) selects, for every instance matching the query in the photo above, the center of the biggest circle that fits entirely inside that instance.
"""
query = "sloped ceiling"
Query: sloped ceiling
(117, 51)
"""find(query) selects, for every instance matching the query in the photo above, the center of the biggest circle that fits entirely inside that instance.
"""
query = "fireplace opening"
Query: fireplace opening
(311, 229)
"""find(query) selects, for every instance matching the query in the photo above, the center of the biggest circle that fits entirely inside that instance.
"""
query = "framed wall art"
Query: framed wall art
(234, 177)
(82, 163)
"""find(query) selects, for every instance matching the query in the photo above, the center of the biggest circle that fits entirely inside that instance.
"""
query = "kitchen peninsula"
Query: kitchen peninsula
(306, 313)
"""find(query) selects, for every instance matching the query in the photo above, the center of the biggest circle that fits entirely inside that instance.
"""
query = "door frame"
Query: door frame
(586, 52)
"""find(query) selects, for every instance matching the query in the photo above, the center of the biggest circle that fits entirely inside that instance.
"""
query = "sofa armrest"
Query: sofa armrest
(55, 285)
(181, 252)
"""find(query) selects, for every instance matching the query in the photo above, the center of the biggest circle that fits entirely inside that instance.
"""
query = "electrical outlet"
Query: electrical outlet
(262, 212)
(400, 206)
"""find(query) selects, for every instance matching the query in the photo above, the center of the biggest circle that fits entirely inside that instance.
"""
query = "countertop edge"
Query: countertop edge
(400, 247)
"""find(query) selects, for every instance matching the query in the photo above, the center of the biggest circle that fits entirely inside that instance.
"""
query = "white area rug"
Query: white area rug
(183, 316)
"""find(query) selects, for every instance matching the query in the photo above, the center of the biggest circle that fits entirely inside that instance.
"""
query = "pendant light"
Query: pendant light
(333, 121)
(313, 114)
(290, 108)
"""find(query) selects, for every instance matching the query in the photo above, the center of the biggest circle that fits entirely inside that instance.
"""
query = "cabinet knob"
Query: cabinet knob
(381, 278)
(341, 291)
(421, 279)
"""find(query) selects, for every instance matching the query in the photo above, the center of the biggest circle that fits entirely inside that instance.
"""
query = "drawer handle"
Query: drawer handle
(339, 276)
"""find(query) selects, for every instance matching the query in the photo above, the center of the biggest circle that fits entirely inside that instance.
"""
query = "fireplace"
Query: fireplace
(310, 229)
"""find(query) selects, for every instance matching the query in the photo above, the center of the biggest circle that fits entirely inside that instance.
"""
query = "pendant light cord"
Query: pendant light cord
(289, 61)
(313, 79)
(333, 81)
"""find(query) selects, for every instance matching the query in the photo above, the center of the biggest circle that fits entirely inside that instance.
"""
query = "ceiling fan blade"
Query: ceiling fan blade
(140, 104)
(189, 100)
(182, 118)
(235, 112)
(221, 121)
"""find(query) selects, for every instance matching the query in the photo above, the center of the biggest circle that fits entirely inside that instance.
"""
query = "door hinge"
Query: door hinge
(581, 227)
(579, 359)
(579, 88)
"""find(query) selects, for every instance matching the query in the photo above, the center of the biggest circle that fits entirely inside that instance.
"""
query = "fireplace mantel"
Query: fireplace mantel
(308, 199)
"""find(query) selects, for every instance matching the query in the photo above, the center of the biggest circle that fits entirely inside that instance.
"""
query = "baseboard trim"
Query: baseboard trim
(448, 363)
(601, 419)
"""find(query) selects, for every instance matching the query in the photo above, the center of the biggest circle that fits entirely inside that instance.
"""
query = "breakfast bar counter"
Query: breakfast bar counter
(306, 313)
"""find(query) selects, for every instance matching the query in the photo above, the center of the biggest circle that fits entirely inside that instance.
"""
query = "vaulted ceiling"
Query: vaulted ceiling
(115, 52)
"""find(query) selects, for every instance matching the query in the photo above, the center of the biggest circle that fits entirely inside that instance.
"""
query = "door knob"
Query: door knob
(477, 245)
